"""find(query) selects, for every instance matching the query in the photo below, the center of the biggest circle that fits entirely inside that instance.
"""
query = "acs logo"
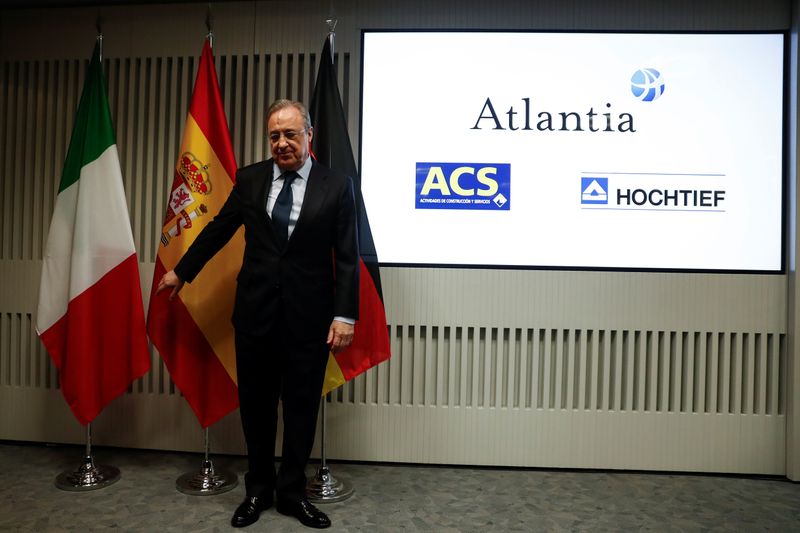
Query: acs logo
(482, 186)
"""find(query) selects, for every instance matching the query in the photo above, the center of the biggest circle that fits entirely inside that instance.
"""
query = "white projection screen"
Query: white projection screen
(574, 150)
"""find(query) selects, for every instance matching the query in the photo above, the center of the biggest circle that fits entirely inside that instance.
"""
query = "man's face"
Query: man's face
(288, 138)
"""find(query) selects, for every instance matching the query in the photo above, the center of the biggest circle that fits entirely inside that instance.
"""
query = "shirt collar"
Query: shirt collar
(304, 171)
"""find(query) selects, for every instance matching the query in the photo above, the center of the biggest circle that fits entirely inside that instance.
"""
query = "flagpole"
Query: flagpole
(324, 487)
(88, 476)
(207, 481)
(210, 26)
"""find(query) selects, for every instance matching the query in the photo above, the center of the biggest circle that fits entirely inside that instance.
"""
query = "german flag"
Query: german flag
(331, 147)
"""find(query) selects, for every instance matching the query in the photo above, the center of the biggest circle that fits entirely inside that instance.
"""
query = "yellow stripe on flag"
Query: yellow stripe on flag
(211, 295)
(333, 376)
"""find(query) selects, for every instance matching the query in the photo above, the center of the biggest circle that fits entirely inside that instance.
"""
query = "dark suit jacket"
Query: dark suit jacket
(308, 280)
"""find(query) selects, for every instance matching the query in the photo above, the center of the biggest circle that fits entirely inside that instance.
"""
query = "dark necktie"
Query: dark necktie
(283, 206)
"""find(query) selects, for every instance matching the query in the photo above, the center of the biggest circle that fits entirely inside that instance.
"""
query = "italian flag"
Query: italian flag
(90, 316)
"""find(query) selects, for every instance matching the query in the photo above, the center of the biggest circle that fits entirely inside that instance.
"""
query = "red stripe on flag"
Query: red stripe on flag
(100, 345)
(370, 342)
(207, 110)
(194, 367)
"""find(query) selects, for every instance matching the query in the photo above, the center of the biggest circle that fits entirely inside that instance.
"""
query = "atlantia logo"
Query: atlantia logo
(528, 118)
(483, 186)
(647, 84)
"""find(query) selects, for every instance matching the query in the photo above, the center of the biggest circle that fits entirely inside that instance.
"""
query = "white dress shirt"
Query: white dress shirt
(298, 191)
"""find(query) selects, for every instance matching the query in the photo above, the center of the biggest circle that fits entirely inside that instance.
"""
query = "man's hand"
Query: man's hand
(340, 335)
(171, 279)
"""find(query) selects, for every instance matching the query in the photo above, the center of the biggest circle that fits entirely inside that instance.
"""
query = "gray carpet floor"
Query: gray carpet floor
(391, 498)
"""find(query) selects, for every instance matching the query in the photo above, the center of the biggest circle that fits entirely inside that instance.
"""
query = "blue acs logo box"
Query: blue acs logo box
(484, 186)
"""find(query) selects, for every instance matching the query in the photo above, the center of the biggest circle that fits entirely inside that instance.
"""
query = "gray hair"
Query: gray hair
(283, 103)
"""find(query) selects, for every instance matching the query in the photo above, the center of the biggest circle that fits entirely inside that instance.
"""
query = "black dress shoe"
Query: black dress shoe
(308, 515)
(247, 513)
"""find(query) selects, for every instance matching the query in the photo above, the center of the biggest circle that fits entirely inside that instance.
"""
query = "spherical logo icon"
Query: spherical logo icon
(647, 84)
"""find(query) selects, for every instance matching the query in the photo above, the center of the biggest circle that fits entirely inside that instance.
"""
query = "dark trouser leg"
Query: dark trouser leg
(258, 373)
(302, 388)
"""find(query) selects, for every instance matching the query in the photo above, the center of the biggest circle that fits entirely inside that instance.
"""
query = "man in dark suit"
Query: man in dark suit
(296, 298)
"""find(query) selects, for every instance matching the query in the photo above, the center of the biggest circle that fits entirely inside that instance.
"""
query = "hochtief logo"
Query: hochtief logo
(637, 192)
(481, 186)
(647, 84)
(594, 190)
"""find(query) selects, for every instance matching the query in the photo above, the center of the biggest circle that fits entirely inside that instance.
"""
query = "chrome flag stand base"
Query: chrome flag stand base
(88, 476)
(323, 487)
(207, 481)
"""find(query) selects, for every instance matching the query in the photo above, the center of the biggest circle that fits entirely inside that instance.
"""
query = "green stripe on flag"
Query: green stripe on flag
(92, 133)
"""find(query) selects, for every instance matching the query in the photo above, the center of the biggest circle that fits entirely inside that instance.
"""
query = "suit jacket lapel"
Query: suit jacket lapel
(264, 190)
(316, 190)
(261, 200)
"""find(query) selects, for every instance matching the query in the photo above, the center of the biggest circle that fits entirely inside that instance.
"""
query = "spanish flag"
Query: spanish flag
(331, 147)
(193, 333)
